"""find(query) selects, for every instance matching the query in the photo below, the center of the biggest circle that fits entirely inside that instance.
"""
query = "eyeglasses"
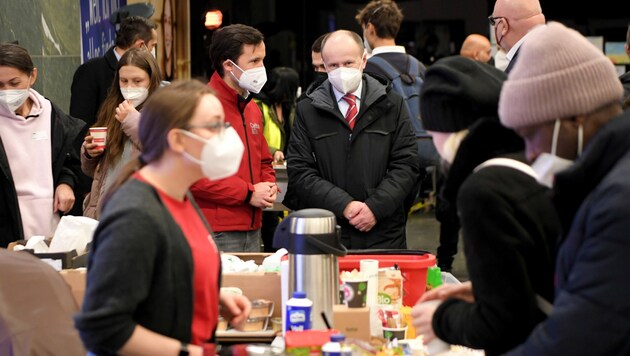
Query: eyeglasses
(213, 127)
(493, 19)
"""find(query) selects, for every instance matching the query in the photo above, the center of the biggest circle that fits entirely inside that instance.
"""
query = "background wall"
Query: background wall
(50, 31)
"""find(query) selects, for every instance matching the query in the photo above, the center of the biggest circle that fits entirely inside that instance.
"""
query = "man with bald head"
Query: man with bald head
(352, 150)
(513, 21)
(477, 47)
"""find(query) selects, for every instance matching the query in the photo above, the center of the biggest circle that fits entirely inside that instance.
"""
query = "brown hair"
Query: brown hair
(227, 43)
(385, 15)
(168, 108)
(14, 56)
(137, 57)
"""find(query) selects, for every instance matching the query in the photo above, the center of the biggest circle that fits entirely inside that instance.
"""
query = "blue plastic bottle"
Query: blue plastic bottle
(298, 312)
(336, 346)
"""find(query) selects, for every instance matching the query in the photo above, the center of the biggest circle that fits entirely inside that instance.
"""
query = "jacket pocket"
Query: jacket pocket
(325, 135)
(378, 132)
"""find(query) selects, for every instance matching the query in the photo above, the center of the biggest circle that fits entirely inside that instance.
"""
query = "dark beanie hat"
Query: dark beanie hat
(457, 91)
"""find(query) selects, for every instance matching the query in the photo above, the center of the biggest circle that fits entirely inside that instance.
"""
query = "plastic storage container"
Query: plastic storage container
(298, 312)
(336, 346)
(413, 266)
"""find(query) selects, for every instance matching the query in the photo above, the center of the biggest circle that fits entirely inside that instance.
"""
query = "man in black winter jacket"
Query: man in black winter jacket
(353, 150)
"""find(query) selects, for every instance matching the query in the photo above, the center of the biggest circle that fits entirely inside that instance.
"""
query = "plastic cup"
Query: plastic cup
(99, 135)
(355, 293)
(394, 333)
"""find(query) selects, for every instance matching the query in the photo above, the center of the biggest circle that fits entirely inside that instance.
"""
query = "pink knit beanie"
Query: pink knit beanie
(558, 74)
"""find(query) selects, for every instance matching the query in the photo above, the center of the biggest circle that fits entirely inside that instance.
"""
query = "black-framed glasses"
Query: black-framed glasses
(493, 19)
(211, 126)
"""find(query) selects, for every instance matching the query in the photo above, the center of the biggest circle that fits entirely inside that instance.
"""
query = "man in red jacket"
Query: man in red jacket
(233, 206)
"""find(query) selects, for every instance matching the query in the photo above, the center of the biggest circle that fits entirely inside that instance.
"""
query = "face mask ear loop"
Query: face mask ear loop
(556, 133)
(580, 140)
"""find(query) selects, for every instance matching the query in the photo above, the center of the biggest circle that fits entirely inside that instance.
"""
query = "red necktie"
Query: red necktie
(352, 112)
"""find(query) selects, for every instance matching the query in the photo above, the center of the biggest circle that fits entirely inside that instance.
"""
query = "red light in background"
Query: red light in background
(214, 18)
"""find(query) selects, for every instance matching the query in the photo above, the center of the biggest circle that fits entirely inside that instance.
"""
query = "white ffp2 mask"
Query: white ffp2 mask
(252, 79)
(137, 96)
(547, 165)
(344, 79)
(221, 155)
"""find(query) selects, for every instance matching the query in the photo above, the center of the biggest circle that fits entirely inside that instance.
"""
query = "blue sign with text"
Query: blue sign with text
(97, 32)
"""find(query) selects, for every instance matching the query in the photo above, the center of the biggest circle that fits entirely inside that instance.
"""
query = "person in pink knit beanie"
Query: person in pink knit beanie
(563, 97)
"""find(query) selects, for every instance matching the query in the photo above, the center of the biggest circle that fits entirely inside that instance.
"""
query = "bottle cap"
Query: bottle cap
(337, 337)
(299, 294)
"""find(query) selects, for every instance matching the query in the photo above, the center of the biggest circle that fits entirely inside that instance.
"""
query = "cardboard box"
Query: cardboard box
(65, 258)
(353, 322)
(257, 257)
(257, 285)
(76, 279)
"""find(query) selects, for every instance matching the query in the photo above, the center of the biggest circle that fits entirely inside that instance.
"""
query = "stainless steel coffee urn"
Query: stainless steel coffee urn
(312, 238)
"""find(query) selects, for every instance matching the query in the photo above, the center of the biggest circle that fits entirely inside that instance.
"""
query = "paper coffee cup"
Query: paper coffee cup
(355, 293)
(394, 333)
(99, 136)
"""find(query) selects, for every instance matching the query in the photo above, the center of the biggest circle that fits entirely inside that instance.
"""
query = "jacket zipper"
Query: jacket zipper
(249, 160)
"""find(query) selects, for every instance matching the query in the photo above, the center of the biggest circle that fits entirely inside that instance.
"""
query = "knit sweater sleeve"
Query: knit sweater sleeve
(505, 310)
(124, 253)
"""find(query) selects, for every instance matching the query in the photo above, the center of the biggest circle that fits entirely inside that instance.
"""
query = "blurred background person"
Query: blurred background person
(564, 98)
(319, 70)
(39, 156)
(151, 225)
(477, 47)
(509, 226)
(625, 78)
(277, 104)
(512, 22)
(137, 77)
(168, 34)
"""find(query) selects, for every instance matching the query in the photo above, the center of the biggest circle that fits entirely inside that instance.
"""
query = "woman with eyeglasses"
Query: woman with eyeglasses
(137, 77)
(154, 271)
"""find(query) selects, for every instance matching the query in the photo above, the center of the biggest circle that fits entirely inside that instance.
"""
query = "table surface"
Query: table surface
(231, 336)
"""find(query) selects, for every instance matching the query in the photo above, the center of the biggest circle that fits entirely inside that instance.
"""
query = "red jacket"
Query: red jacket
(223, 201)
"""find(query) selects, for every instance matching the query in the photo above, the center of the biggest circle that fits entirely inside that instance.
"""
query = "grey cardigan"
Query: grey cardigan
(140, 271)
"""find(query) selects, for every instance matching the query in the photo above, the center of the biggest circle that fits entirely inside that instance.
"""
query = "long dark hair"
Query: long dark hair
(107, 113)
(169, 107)
(282, 86)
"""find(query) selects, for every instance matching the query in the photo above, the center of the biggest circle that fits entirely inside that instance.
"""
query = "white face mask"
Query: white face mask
(221, 155)
(13, 99)
(137, 96)
(548, 164)
(346, 80)
(367, 46)
(151, 51)
(252, 79)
